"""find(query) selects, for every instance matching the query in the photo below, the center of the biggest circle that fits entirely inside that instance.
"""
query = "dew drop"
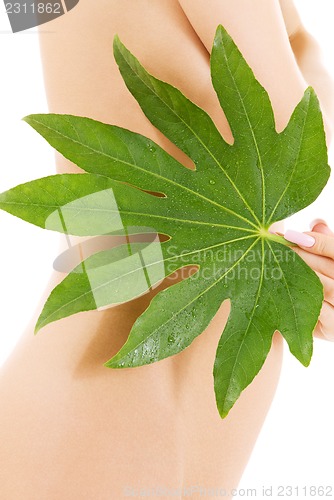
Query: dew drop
(212, 181)
(171, 339)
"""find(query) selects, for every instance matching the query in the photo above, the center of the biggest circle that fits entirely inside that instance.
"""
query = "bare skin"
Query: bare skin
(72, 428)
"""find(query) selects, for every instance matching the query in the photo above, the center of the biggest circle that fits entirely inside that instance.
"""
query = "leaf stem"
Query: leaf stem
(264, 233)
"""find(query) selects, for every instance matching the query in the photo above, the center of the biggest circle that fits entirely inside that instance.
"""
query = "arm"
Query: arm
(285, 69)
(260, 30)
(309, 58)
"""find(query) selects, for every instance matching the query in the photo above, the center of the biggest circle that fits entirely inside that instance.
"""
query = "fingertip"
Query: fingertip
(321, 226)
(277, 228)
(314, 222)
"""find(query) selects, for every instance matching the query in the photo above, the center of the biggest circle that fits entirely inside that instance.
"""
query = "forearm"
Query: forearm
(309, 58)
(261, 36)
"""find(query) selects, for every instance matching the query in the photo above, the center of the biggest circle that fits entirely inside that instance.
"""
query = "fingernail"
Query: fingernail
(317, 221)
(301, 239)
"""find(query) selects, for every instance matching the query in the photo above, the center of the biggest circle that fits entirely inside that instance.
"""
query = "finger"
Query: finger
(277, 227)
(320, 226)
(325, 329)
(328, 284)
(318, 263)
(313, 242)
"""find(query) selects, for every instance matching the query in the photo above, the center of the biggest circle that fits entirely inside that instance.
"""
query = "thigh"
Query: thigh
(71, 428)
(152, 426)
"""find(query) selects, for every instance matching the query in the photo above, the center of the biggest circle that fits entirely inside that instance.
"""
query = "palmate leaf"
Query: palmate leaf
(216, 217)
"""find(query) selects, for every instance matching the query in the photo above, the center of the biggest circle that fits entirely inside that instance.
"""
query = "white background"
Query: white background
(296, 444)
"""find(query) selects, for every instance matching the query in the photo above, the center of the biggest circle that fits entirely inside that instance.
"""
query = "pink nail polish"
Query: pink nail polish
(301, 239)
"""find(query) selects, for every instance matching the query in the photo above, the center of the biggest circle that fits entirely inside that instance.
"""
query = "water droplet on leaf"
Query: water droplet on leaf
(171, 339)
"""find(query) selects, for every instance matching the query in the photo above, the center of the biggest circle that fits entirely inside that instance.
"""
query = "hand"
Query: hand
(316, 248)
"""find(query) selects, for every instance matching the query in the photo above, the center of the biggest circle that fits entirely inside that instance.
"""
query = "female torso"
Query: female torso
(70, 427)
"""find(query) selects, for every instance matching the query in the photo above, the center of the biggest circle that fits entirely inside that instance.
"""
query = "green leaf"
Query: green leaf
(216, 217)
(109, 277)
